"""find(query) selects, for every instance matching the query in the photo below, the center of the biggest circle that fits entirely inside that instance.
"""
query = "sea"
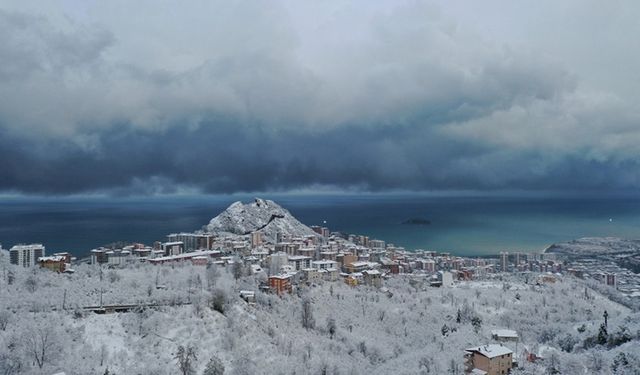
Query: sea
(461, 225)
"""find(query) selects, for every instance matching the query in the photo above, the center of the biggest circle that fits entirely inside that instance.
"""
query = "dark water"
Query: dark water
(461, 225)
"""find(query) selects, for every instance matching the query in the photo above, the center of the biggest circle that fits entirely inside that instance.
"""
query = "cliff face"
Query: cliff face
(261, 215)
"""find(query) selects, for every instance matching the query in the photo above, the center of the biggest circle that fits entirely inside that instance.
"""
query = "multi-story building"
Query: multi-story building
(299, 262)
(276, 261)
(173, 248)
(494, 359)
(280, 284)
(287, 247)
(356, 267)
(323, 231)
(193, 241)
(99, 256)
(26, 255)
(324, 264)
(504, 261)
(256, 239)
(377, 244)
(517, 259)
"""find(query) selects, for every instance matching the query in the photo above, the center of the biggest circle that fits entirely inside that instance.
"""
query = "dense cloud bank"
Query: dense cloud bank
(228, 97)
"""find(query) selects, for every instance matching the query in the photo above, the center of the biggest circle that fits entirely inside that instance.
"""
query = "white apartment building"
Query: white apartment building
(26, 255)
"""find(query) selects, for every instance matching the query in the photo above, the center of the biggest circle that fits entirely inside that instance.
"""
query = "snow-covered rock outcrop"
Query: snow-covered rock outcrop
(596, 246)
(261, 215)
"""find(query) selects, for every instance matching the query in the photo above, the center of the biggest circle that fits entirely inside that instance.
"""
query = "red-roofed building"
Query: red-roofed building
(280, 284)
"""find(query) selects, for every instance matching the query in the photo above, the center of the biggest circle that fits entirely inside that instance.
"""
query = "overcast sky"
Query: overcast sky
(244, 96)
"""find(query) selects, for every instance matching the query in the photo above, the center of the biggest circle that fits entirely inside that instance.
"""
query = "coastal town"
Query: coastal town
(286, 257)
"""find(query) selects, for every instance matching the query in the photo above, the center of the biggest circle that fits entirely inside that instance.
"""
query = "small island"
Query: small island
(416, 221)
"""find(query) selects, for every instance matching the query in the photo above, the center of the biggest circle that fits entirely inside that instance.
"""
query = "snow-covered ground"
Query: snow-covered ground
(361, 330)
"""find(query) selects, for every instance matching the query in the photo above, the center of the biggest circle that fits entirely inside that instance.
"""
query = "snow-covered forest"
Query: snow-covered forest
(192, 320)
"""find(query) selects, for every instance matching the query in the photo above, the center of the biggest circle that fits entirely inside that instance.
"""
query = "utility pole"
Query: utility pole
(100, 286)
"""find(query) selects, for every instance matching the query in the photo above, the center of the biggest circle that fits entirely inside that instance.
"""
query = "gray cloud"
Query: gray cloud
(228, 97)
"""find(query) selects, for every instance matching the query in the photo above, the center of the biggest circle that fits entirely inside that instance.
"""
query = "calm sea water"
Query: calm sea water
(461, 225)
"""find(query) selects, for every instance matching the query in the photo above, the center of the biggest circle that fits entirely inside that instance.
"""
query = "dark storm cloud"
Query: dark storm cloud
(235, 97)
(232, 157)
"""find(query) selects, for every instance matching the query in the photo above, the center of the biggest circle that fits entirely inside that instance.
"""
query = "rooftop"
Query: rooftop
(491, 350)
(508, 333)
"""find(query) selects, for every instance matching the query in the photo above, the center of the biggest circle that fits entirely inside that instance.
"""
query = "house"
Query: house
(356, 266)
(55, 263)
(351, 280)
(504, 335)
(372, 277)
(390, 265)
(248, 296)
(311, 275)
(493, 359)
(329, 274)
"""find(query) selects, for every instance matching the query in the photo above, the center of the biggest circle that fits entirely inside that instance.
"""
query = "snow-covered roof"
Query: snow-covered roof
(507, 333)
(186, 255)
(174, 243)
(281, 276)
(53, 258)
(372, 272)
(477, 371)
(360, 264)
(491, 350)
(299, 257)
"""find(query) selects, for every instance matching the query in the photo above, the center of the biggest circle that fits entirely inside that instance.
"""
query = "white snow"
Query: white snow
(491, 350)
(261, 215)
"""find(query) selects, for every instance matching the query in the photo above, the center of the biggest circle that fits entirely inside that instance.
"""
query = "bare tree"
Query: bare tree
(307, 315)
(141, 316)
(218, 300)
(186, 357)
(31, 283)
(214, 367)
(104, 354)
(331, 327)
(4, 319)
(40, 342)
(10, 364)
(595, 362)
(237, 269)
(212, 276)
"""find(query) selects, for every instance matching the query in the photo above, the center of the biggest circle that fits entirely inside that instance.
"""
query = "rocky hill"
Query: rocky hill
(261, 215)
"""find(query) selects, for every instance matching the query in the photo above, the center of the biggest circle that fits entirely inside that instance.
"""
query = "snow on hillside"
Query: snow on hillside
(261, 215)
(409, 329)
